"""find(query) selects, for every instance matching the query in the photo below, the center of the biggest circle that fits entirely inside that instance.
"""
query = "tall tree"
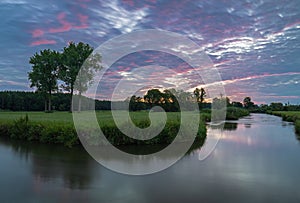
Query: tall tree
(153, 97)
(200, 95)
(170, 100)
(248, 103)
(77, 70)
(44, 73)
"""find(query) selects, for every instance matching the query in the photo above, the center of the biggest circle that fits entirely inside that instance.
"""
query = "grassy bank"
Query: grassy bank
(58, 127)
(290, 116)
(232, 113)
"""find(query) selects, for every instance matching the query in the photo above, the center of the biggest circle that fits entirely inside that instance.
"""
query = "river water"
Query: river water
(257, 159)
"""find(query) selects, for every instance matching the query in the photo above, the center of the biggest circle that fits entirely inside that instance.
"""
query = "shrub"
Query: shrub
(297, 127)
(234, 113)
(20, 128)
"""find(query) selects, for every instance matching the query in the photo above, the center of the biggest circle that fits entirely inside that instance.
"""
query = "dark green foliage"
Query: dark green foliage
(34, 101)
(78, 66)
(248, 103)
(234, 113)
(44, 74)
(52, 133)
(166, 136)
(64, 133)
(297, 127)
(286, 116)
(20, 128)
(205, 117)
(200, 94)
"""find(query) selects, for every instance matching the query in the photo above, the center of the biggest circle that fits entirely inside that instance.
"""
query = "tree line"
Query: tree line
(167, 99)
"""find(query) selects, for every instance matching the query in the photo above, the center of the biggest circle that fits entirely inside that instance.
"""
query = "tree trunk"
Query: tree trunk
(49, 102)
(45, 104)
(71, 95)
(79, 102)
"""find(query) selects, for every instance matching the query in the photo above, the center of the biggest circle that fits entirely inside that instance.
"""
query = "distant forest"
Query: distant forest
(34, 101)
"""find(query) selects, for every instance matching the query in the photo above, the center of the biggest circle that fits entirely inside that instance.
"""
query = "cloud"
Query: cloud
(43, 42)
(16, 2)
(65, 25)
(37, 33)
(249, 42)
(115, 16)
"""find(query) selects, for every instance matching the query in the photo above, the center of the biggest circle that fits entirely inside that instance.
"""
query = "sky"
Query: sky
(254, 44)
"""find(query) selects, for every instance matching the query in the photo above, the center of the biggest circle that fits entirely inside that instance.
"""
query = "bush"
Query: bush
(297, 127)
(234, 113)
(52, 133)
(20, 128)
(116, 137)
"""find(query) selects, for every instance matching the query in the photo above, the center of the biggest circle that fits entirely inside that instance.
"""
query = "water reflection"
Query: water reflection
(247, 125)
(257, 164)
(230, 126)
(55, 162)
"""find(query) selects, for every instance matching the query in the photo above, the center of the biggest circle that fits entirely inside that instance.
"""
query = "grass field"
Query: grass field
(58, 127)
(104, 117)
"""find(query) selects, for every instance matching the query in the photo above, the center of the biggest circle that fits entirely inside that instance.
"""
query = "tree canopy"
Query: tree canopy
(44, 73)
(75, 67)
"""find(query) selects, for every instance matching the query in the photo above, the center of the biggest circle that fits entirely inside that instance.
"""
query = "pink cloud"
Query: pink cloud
(42, 42)
(83, 21)
(66, 26)
(37, 33)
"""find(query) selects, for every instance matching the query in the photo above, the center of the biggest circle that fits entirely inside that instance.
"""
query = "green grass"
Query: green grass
(297, 127)
(290, 116)
(64, 117)
(58, 127)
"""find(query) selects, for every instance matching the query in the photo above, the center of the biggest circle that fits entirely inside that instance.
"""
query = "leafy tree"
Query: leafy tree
(276, 106)
(170, 101)
(228, 102)
(237, 104)
(44, 73)
(136, 103)
(153, 97)
(248, 103)
(77, 70)
(200, 94)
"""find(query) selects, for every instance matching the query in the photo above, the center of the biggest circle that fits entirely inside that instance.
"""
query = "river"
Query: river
(257, 159)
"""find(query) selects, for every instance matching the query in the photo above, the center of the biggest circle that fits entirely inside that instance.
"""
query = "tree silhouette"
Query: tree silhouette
(248, 103)
(153, 97)
(200, 94)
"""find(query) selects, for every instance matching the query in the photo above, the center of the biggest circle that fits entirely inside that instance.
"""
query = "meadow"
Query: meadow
(58, 127)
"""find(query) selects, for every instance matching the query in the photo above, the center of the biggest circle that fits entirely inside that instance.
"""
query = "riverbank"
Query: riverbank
(58, 127)
(290, 116)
